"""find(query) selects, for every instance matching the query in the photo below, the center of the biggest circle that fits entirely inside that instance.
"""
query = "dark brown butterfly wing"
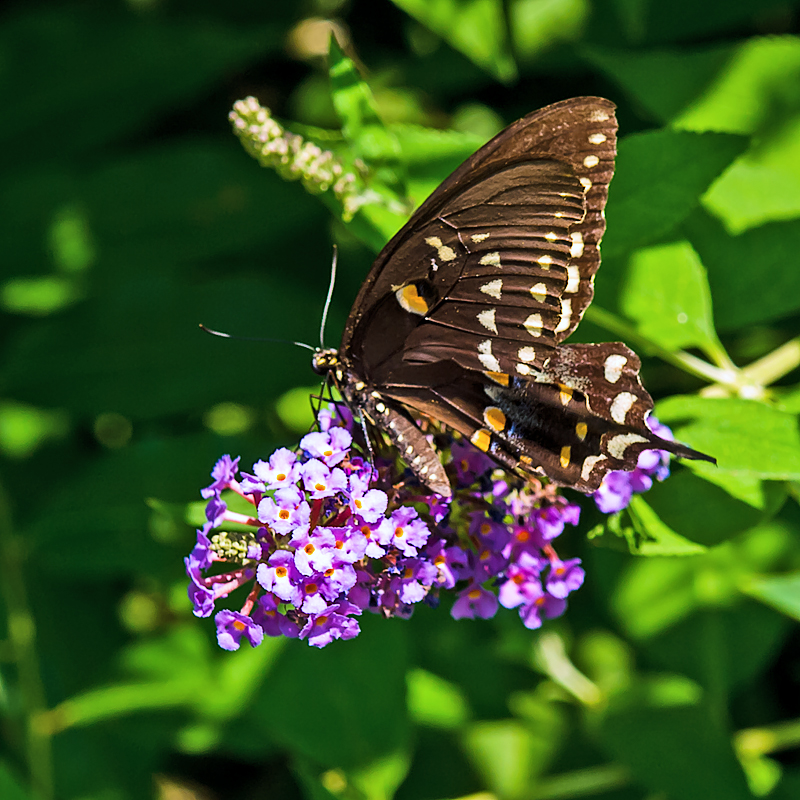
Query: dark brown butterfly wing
(462, 316)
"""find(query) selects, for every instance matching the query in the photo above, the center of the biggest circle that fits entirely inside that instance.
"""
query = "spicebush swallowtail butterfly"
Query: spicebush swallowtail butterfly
(462, 317)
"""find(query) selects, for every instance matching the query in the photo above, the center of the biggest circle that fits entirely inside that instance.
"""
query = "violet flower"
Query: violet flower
(329, 536)
(618, 487)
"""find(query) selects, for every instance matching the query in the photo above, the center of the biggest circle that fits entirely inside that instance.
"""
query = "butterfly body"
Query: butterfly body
(462, 317)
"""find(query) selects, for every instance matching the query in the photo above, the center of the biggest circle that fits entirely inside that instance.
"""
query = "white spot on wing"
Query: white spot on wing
(621, 405)
(612, 367)
(486, 318)
(492, 392)
(591, 161)
(597, 138)
(598, 116)
(550, 236)
(445, 253)
(566, 314)
(586, 183)
(523, 369)
(620, 443)
(486, 358)
(588, 466)
(533, 324)
(573, 279)
(526, 354)
(576, 249)
(545, 261)
(493, 288)
(479, 237)
(539, 292)
(491, 259)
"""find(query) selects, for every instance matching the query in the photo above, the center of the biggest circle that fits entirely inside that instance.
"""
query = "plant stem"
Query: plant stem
(22, 645)
(774, 365)
(763, 740)
(581, 783)
(685, 361)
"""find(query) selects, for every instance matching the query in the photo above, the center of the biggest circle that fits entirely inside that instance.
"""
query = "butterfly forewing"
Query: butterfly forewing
(462, 316)
(558, 138)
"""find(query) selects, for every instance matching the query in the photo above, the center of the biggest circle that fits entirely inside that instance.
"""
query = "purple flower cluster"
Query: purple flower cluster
(618, 487)
(327, 536)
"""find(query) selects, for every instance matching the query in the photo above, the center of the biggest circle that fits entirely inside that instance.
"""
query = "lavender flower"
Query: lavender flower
(329, 536)
(618, 487)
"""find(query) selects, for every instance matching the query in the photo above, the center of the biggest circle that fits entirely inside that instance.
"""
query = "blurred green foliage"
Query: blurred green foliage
(130, 213)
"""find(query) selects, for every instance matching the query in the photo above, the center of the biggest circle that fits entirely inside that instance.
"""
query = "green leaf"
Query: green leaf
(430, 155)
(658, 539)
(667, 294)
(642, 75)
(130, 70)
(539, 25)
(755, 93)
(684, 20)
(749, 439)
(639, 531)
(476, 28)
(654, 594)
(678, 499)
(615, 532)
(364, 130)
(658, 182)
(707, 647)
(503, 752)
(435, 701)
(354, 732)
(781, 592)
(707, 768)
(380, 779)
(10, 787)
(756, 189)
(759, 80)
(382, 208)
(753, 276)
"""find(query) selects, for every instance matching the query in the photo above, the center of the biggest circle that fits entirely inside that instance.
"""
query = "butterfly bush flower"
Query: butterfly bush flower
(322, 536)
(618, 487)
(293, 157)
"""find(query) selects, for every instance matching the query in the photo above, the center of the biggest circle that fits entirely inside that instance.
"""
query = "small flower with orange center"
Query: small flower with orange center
(329, 446)
(281, 470)
(404, 530)
(231, 626)
(285, 511)
(321, 481)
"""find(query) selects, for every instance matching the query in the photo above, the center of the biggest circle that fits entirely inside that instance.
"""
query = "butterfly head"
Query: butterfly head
(325, 360)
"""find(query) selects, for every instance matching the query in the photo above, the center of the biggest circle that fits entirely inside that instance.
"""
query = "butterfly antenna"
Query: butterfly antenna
(224, 335)
(328, 298)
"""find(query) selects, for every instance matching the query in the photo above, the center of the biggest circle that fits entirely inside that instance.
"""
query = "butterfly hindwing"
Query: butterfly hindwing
(541, 427)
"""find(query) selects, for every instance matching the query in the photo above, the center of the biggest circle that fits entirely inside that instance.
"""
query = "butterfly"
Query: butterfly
(463, 315)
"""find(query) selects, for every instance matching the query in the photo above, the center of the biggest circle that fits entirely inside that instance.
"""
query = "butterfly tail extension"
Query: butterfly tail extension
(683, 451)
